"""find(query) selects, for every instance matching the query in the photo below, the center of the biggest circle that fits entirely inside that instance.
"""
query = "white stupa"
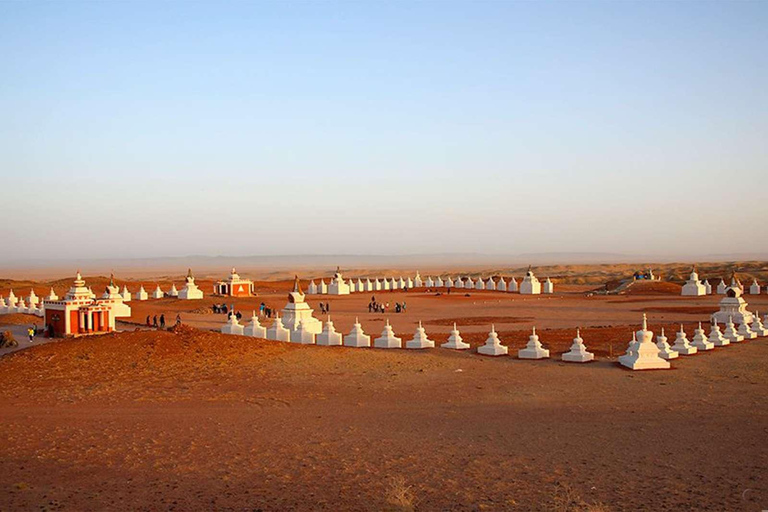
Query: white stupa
(755, 288)
(501, 285)
(493, 346)
(549, 287)
(356, 337)
(21, 307)
(386, 284)
(329, 336)
(512, 285)
(721, 287)
(730, 332)
(190, 290)
(439, 282)
(490, 284)
(578, 352)
(141, 294)
(682, 346)
(388, 338)
(12, 299)
(417, 281)
(52, 296)
(757, 325)
(455, 341)
(297, 311)
(716, 337)
(430, 283)
(733, 306)
(458, 283)
(254, 328)
(173, 292)
(746, 332)
(312, 288)
(643, 354)
(700, 340)
(32, 298)
(479, 284)
(707, 287)
(420, 339)
(534, 349)
(360, 286)
(408, 283)
(277, 331)
(377, 286)
(449, 283)
(158, 293)
(2, 305)
(401, 283)
(693, 287)
(368, 285)
(125, 294)
(469, 283)
(302, 336)
(338, 286)
(530, 284)
(322, 288)
(665, 351)
(232, 326)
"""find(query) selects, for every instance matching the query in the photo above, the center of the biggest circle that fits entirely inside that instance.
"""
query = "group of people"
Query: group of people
(382, 307)
(153, 321)
(325, 308)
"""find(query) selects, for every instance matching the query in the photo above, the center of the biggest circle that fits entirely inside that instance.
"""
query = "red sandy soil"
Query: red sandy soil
(195, 420)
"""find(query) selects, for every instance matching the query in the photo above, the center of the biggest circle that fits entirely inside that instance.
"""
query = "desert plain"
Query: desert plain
(191, 419)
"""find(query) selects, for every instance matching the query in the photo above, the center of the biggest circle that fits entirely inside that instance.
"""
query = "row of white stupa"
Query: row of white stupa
(530, 285)
(694, 287)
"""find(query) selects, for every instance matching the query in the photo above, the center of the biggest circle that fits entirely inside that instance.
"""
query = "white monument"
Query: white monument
(716, 337)
(420, 339)
(755, 288)
(254, 328)
(338, 286)
(469, 283)
(643, 354)
(458, 283)
(356, 337)
(682, 346)
(312, 288)
(21, 307)
(173, 292)
(322, 288)
(530, 284)
(730, 332)
(52, 296)
(721, 287)
(297, 311)
(12, 299)
(490, 284)
(455, 341)
(707, 287)
(377, 285)
(746, 332)
(232, 326)
(401, 283)
(501, 285)
(158, 293)
(493, 346)
(386, 284)
(141, 294)
(125, 294)
(439, 282)
(578, 352)
(693, 287)
(700, 340)
(449, 283)
(32, 298)
(417, 282)
(733, 306)
(302, 335)
(329, 336)
(534, 349)
(388, 338)
(429, 283)
(277, 331)
(190, 290)
(479, 284)
(360, 287)
(757, 325)
(665, 351)
(512, 285)
(549, 288)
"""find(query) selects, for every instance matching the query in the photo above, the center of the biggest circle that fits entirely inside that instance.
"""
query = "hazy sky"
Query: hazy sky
(138, 129)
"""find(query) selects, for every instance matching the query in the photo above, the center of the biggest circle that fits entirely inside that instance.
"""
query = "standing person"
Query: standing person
(261, 308)
(162, 321)
(404, 304)
(31, 333)
(327, 307)
(178, 320)
(148, 323)
(154, 321)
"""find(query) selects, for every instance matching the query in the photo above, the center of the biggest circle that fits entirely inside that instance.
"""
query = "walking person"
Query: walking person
(154, 321)
(178, 320)
(162, 321)
(327, 307)
(31, 333)
(148, 322)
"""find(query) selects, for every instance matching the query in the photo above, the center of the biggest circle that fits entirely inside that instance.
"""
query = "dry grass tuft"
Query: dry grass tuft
(400, 496)
(567, 499)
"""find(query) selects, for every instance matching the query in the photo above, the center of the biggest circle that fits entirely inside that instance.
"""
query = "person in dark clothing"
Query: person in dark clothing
(178, 319)
(154, 321)
(327, 307)
(148, 324)
(162, 321)
(239, 315)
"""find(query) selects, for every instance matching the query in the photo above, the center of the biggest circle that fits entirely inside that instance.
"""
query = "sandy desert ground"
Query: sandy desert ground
(191, 419)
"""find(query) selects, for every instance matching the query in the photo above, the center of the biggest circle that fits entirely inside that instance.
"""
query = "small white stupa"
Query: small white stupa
(329, 336)
(665, 351)
(430, 283)
(302, 335)
(479, 284)
(707, 287)
(534, 349)
(401, 283)
(757, 325)
(254, 328)
(449, 283)
(356, 337)
(501, 286)
(312, 288)
(408, 282)
(439, 282)
(700, 340)
(721, 287)
(455, 341)
(420, 339)
(297, 311)
(716, 337)
(338, 285)
(3, 306)
(530, 284)
(746, 332)
(578, 352)
(32, 298)
(643, 354)
(730, 332)
(417, 281)
(386, 284)
(125, 294)
(21, 306)
(755, 288)
(549, 287)
(232, 326)
(490, 284)
(733, 306)
(322, 288)
(277, 331)
(512, 285)
(469, 283)
(388, 338)
(158, 293)
(682, 346)
(12, 299)
(693, 287)
(52, 296)
(493, 346)
(173, 292)
(360, 286)
(377, 286)
(190, 290)
(458, 282)
(141, 294)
